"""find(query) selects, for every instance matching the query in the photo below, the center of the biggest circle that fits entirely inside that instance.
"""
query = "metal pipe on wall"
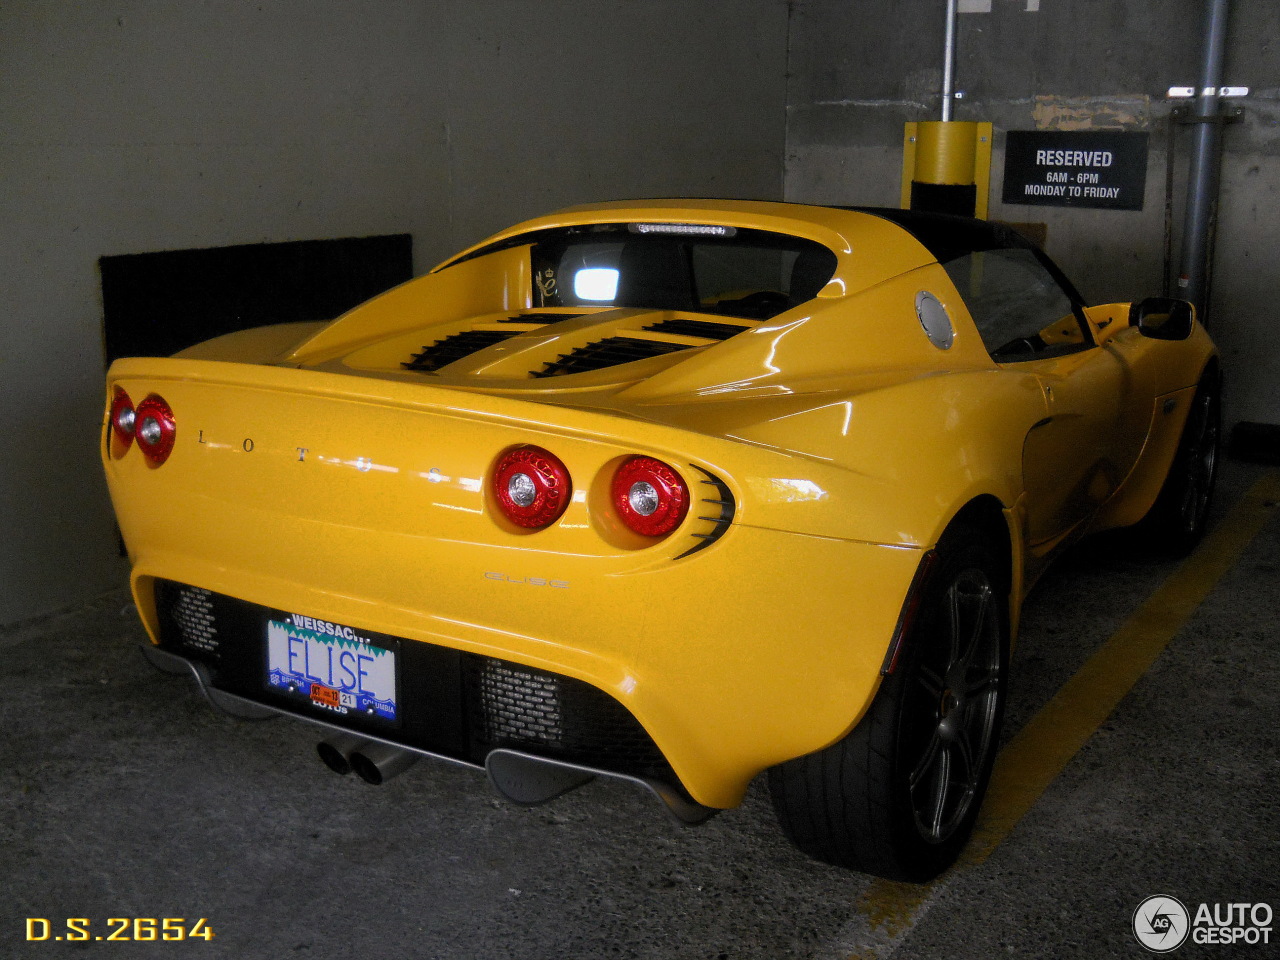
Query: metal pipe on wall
(1206, 159)
(949, 62)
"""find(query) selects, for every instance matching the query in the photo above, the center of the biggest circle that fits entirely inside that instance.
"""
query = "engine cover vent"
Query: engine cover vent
(610, 352)
(709, 329)
(455, 347)
(541, 317)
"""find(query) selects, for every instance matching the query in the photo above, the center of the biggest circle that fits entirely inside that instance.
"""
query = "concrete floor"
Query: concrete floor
(123, 795)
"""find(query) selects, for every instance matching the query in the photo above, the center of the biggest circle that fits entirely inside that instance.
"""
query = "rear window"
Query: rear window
(736, 272)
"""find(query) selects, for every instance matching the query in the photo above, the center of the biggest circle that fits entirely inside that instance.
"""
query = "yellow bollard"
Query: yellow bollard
(946, 167)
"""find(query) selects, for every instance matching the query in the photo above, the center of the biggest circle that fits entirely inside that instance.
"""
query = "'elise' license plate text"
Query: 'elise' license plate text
(335, 669)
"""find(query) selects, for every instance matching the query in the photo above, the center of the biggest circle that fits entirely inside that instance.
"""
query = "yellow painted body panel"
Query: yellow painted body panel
(313, 472)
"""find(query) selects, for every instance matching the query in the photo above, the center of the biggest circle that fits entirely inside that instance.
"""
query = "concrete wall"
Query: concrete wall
(137, 125)
(859, 70)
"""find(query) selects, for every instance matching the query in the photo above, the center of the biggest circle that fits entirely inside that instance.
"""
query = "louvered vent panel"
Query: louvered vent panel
(541, 317)
(446, 351)
(698, 328)
(610, 352)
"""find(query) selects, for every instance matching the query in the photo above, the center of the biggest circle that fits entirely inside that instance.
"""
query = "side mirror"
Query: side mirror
(1162, 318)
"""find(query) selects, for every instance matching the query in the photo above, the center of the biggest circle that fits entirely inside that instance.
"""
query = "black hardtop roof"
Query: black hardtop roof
(948, 236)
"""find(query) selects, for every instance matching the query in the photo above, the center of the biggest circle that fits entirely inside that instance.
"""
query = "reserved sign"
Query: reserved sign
(1104, 169)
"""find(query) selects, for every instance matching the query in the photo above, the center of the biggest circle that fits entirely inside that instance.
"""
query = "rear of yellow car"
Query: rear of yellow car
(457, 573)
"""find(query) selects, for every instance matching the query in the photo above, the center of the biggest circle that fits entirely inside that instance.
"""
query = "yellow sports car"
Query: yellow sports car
(674, 491)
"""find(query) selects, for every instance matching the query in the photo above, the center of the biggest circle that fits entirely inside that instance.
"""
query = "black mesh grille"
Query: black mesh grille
(541, 317)
(554, 716)
(446, 351)
(609, 352)
(698, 328)
(188, 618)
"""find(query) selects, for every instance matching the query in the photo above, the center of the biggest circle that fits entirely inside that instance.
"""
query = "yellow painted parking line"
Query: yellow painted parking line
(1042, 749)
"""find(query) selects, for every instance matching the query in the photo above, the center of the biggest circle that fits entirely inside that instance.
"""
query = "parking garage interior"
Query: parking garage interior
(363, 142)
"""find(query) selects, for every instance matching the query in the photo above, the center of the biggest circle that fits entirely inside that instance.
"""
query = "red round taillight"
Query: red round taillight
(154, 429)
(532, 487)
(650, 496)
(122, 420)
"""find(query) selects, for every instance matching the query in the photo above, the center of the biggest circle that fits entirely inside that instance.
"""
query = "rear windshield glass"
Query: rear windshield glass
(730, 271)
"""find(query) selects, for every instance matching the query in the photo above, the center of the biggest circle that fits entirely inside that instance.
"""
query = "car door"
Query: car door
(1031, 321)
(1079, 454)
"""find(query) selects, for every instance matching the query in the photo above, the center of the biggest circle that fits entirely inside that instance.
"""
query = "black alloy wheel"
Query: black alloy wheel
(951, 708)
(898, 796)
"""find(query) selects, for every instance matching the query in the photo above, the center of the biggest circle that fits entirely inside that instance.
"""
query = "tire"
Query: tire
(1177, 521)
(898, 796)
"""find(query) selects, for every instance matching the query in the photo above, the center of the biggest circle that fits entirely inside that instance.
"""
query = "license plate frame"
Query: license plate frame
(333, 668)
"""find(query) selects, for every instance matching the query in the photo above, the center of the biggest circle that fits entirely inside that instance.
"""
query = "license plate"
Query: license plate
(332, 667)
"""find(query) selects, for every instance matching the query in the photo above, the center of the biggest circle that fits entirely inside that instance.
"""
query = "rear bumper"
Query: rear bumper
(764, 660)
(524, 778)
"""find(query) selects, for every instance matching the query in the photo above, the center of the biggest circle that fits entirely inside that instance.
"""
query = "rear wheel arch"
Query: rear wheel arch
(986, 515)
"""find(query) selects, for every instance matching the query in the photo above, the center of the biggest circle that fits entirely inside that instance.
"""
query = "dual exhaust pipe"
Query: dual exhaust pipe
(371, 761)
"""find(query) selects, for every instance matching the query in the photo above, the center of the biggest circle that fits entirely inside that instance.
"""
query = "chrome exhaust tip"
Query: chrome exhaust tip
(336, 752)
(376, 763)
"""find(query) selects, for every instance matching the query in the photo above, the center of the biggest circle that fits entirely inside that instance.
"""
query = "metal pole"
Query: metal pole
(1206, 158)
(949, 62)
